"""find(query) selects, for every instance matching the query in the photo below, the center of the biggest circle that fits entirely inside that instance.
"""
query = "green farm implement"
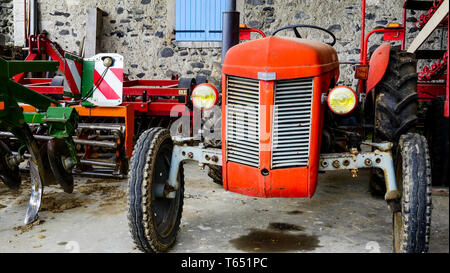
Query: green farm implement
(52, 149)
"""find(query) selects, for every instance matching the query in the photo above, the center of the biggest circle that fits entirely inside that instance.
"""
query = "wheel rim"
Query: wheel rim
(164, 210)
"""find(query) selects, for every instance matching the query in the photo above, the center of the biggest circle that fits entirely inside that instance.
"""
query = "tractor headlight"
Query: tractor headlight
(204, 96)
(342, 100)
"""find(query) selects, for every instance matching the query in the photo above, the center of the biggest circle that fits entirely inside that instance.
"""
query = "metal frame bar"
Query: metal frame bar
(197, 153)
(428, 90)
(126, 111)
(379, 30)
(380, 158)
(353, 162)
(134, 83)
(245, 33)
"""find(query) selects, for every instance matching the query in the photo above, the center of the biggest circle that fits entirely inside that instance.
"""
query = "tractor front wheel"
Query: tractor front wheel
(154, 220)
(412, 215)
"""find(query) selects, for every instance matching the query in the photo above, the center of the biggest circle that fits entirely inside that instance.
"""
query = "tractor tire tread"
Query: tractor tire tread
(396, 97)
(139, 218)
(416, 199)
(132, 193)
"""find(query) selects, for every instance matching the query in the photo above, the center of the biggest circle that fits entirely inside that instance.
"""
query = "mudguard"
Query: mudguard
(378, 65)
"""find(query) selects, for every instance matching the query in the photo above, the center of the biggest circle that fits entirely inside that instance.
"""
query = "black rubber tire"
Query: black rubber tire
(189, 84)
(201, 79)
(437, 134)
(411, 225)
(56, 151)
(9, 176)
(396, 97)
(395, 106)
(215, 172)
(142, 218)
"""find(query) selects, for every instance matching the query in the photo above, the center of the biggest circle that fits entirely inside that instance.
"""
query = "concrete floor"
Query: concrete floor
(341, 217)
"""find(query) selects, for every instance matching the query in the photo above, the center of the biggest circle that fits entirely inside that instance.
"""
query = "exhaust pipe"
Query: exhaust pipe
(230, 28)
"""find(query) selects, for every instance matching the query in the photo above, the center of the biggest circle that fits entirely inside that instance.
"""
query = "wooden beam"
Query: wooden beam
(93, 31)
(430, 26)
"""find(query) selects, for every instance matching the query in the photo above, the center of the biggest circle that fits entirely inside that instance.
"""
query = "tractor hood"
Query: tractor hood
(287, 57)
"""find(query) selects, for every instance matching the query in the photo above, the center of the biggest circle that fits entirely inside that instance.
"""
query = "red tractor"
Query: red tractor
(283, 120)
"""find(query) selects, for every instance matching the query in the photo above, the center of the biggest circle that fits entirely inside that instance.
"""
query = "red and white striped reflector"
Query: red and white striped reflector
(108, 86)
(72, 74)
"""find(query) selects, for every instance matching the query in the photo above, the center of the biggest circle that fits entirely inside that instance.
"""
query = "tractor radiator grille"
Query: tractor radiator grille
(243, 121)
(291, 123)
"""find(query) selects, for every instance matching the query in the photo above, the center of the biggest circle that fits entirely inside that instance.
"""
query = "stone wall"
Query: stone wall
(343, 18)
(143, 30)
(6, 22)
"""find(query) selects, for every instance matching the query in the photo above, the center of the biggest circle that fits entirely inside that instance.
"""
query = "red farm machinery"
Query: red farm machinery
(108, 112)
(112, 109)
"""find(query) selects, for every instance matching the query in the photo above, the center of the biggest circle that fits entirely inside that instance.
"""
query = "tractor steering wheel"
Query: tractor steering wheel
(297, 34)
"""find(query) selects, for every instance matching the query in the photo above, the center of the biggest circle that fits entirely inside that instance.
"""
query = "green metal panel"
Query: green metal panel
(22, 94)
(62, 121)
(12, 68)
(33, 117)
(87, 79)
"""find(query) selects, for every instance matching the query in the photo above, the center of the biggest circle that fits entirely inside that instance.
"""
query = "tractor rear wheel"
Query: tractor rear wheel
(412, 219)
(395, 106)
(10, 175)
(154, 220)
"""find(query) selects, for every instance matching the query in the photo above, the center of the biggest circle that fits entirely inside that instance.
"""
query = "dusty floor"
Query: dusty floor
(342, 217)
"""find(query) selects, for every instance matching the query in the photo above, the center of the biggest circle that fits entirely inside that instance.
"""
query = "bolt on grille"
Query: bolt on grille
(243, 121)
(291, 122)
